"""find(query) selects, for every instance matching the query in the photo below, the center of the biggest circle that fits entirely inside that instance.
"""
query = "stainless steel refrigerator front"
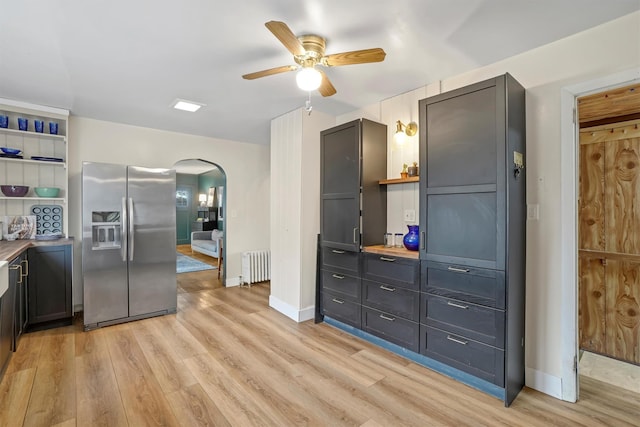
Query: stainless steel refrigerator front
(128, 243)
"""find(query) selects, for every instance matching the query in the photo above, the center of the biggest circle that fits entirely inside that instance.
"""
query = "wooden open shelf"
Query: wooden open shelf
(399, 180)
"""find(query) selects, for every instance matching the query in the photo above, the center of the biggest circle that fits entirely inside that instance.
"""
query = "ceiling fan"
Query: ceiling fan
(308, 52)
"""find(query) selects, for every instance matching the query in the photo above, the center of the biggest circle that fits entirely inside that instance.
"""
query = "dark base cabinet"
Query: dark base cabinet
(20, 278)
(395, 329)
(480, 360)
(6, 327)
(49, 286)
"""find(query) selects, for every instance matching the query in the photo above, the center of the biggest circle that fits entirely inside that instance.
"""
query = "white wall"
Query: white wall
(295, 210)
(544, 72)
(246, 166)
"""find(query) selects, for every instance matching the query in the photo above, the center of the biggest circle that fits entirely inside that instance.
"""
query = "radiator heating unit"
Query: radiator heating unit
(256, 267)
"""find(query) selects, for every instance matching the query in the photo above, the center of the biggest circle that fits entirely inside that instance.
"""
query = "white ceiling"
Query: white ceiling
(126, 61)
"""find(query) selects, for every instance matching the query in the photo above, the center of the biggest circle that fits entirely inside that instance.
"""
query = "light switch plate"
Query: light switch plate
(409, 215)
(533, 212)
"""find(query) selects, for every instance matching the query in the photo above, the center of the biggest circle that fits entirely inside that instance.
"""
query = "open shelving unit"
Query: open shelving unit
(30, 172)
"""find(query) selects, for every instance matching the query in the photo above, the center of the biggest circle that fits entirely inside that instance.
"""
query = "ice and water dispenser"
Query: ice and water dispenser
(106, 230)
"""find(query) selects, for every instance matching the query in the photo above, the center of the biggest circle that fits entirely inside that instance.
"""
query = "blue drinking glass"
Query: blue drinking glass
(23, 123)
(38, 125)
(53, 128)
(4, 121)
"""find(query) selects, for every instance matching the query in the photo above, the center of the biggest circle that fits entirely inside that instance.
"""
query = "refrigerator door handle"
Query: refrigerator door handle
(131, 233)
(123, 244)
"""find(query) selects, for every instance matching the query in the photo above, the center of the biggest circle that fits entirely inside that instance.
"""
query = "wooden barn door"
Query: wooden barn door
(609, 241)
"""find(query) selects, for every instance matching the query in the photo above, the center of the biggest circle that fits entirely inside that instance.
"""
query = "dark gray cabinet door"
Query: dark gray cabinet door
(340, 221)
(461, 147)
(482, 324)
(340, 186)
(340, 308)
(395, 329)
(49, 285)
(6, 327)
(480, 360)
(347, 287)
(461, 227)
(19, 276)
(353, 205)
(474, 285)
(393, 270)
(391, 299)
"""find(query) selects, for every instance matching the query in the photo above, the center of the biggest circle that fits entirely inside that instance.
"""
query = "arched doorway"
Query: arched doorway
(200, 201)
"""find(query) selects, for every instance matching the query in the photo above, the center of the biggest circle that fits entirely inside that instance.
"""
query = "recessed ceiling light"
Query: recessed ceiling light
(181, 104)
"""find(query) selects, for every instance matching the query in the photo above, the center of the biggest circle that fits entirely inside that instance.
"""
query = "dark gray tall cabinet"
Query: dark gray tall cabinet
(473, 213)
(353, 211)
(353, 157)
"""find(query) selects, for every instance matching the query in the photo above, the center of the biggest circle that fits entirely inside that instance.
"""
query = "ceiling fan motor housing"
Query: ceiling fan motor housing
(314, 50)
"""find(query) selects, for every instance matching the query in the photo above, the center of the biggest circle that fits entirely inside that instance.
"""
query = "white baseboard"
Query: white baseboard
(232, 281)
(291, 312)
(543, 382)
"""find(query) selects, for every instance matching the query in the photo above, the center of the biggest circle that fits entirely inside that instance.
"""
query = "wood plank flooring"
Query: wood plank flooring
(227, 359)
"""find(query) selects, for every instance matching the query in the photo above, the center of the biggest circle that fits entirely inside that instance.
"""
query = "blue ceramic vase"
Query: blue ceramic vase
(411, 240)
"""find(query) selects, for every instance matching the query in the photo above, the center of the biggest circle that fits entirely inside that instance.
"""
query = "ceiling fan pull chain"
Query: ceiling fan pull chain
(307, 105)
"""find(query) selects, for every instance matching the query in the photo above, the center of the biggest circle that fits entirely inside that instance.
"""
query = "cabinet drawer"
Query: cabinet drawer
(477, 322)
(392, 299)
(341, 309)
(397, 330)
(475, 285)
(478, 359)
(398, 271)
(341, 261)
(341, 284)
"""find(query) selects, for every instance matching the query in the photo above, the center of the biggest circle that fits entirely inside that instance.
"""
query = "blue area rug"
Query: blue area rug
(187, 264)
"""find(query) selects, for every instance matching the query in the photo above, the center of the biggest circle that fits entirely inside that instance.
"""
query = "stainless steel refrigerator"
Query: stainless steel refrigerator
(128, 243)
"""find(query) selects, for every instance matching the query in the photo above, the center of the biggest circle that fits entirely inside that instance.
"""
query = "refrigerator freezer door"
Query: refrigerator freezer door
(152, 240)
(106, 292)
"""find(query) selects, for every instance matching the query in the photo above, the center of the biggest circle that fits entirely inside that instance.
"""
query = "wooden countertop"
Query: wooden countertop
(10, 250)
(398, 252)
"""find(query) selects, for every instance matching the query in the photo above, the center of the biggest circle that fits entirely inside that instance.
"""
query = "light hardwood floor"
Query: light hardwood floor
(227, 359)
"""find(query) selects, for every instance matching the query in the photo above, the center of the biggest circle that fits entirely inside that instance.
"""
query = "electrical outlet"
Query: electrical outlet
(533, 212)
(409, 215)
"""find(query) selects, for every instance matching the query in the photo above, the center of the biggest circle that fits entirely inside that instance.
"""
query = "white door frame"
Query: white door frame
(569, 218)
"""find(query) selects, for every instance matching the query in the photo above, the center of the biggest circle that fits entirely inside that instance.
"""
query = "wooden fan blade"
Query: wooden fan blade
(286, 37)
(269, 72)
(326, 87)
(354, 57)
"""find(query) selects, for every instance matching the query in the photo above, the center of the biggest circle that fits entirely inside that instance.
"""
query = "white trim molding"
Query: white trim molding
(569, 232)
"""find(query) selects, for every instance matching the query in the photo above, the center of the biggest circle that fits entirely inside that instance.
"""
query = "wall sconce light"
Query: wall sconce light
(202, 198)
(402, 131)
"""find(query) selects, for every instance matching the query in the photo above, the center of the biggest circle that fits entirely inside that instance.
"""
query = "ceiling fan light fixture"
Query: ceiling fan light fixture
(308, 79)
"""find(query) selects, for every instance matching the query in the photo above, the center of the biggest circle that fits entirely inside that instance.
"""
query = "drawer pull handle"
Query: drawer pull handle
(453, 304)
(458, 270)
(337, 301)
(335, 251)
(384, 258)
(387, 288)
(337, 276)
(390, 319)
(450, 338)
(20, 275)
(355, 237)
(25, 269)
